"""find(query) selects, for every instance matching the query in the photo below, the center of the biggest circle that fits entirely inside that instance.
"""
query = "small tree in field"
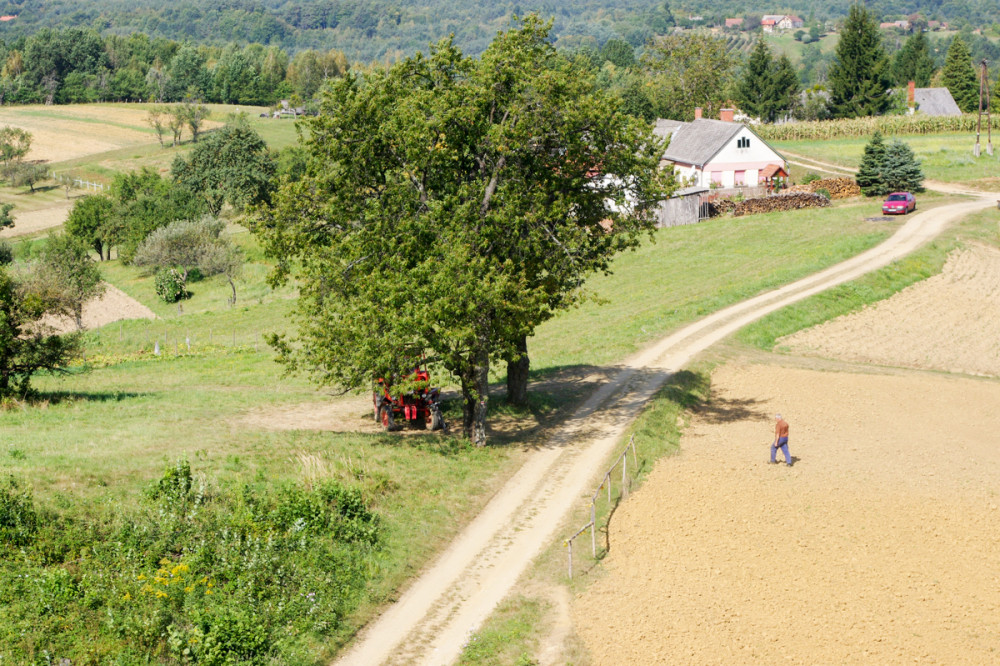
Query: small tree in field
(186, 245)
(69, 275)
(888, 168)
(14, 145)
(156, 118)
(25, 346)
(869, 177)
(901, 169)
(88, 222)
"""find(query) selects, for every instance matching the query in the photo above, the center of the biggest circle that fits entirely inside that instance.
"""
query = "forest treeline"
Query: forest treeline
(368, 30)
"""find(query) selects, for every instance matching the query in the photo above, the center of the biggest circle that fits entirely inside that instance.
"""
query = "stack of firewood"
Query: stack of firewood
(839, 188)
(794, 201)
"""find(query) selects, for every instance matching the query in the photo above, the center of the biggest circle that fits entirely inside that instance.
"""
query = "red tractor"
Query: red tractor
(416, 407)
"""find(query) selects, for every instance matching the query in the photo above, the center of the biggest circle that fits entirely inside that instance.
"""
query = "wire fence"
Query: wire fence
(128, 340)
(606, 483)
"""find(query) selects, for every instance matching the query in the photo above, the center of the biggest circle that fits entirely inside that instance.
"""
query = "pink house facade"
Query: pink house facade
(719, 153)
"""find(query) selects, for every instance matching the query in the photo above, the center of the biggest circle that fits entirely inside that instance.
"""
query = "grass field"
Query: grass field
(944, 157)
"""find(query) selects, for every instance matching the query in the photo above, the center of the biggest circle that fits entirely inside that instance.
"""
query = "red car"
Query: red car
(899, 202)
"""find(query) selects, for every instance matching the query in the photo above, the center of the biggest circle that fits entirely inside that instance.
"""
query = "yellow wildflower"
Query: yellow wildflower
(141, 577)
(208, 591)
(189, 588)
(160, 594)
(127, 596)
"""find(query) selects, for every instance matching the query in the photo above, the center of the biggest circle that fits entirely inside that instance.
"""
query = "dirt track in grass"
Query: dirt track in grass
(878, 546)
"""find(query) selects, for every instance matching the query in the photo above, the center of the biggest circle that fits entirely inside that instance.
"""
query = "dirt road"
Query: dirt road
(434, 617)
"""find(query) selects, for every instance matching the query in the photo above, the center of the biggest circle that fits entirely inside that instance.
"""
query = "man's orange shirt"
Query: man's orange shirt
(781, 429)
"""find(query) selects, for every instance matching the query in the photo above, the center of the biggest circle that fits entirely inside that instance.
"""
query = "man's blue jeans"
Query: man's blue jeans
(783, 445)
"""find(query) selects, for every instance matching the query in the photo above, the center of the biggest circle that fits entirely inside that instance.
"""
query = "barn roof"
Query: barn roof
(698, 141)
(935, 102)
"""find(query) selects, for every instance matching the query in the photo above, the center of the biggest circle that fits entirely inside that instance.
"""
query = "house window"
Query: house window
(741, 178)
(717, 177)
(743, 142)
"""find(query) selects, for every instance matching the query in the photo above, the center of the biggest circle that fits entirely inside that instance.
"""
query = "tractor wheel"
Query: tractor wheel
(386, 418)
(437, 421)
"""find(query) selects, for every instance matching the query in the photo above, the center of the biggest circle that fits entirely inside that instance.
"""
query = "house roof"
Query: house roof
(935, 102)
(772, 170)
(697, 142)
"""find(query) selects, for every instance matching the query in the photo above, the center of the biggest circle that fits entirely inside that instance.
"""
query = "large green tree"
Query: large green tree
(451, 205)
(690, 70)
(232, 165)
(859, 79)
(89, 222)
(959, 76)
(913, 62)
(768, 88)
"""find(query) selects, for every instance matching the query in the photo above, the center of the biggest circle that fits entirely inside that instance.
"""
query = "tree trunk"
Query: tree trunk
(475, 393)
(517, 374)
(99, 247)
(232, 285)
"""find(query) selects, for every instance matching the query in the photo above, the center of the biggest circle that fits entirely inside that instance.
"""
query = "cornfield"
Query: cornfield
(863, 127)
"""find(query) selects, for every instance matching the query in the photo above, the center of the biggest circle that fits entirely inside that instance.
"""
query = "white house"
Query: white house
(772, 22)
(720, 153)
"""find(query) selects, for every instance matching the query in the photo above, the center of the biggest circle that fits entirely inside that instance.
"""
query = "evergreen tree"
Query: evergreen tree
(900, 169)
(913, 62)
(754, 86)
(859, 78)
(959, 76)
(869, 177)
(784, 89)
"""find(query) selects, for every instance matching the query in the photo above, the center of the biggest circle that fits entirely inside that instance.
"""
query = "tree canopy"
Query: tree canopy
(26, 346)
(768, 88)
(959, 76)
(232, 165)
(690, 70)
(449, 206)
(859, 79)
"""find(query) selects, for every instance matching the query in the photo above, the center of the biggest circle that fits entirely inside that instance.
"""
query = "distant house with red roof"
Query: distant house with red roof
(8, 17)
(772, 22)
(734, 23)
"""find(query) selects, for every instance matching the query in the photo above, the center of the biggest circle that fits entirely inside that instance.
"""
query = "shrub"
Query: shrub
(810, 177)
(823, 192)
(18, 521)
(6, 253)
(241, 575)
(169, 285)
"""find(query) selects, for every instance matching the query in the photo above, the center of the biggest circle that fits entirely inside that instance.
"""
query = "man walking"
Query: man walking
(780, 440)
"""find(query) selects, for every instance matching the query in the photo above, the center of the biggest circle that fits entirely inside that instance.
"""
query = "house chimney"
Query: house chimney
(726, 115)
(697, 113)
(911, 93)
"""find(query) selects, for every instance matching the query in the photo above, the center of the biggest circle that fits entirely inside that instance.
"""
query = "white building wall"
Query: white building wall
(751, 160)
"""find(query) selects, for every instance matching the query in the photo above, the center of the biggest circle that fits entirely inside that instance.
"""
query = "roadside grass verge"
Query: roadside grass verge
(943, 157)
(509, 638)
(871, 288)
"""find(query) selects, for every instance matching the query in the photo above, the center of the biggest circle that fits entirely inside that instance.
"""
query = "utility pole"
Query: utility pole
(984, 89)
